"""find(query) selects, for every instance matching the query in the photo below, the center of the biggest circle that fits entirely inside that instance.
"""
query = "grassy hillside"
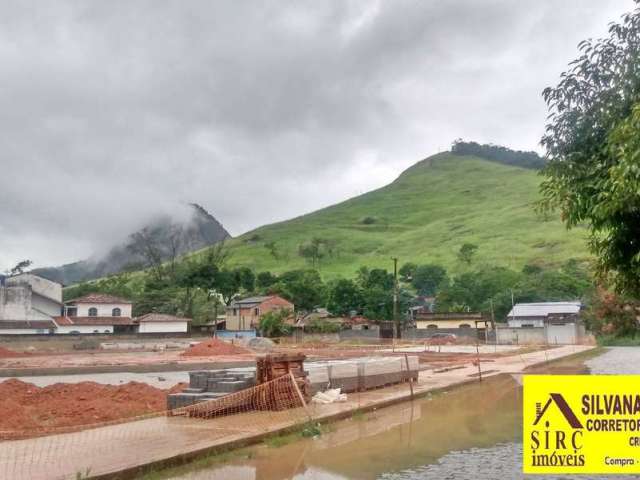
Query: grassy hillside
(424, 217)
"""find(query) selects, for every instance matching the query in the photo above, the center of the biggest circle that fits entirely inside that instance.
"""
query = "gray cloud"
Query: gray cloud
(113, 111)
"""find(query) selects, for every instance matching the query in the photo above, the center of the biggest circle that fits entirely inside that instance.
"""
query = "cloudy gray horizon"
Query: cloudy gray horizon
(111, 112)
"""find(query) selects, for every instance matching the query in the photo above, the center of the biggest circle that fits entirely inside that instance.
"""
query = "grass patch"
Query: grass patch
(201, 463)
(614, 341)
(432, 208)
(358, 416)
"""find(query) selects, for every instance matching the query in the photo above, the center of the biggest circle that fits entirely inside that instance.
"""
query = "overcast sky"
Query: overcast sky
(260, 111)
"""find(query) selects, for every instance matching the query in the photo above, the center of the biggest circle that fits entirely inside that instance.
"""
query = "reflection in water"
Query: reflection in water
(472, 432)
(395, 438)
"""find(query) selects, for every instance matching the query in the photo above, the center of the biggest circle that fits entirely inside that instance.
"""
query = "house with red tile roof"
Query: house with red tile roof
(162, 323)
(97, 313)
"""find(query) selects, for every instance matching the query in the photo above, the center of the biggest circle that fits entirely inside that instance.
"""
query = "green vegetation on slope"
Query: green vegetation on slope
(425, 216)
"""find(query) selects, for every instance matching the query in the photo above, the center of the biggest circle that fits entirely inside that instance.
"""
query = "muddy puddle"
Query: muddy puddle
(468, 432)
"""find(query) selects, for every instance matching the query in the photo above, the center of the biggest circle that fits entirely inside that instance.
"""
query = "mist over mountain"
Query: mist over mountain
(168, 234)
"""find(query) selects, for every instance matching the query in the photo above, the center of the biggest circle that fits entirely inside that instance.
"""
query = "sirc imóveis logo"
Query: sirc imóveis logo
(556, 436)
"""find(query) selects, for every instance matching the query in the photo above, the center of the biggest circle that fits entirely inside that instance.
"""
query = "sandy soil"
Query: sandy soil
(86, 359)
(27, 407)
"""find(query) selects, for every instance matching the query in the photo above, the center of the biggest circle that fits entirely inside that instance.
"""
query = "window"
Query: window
(256, 311)
(464, 325)
(93, 312)
(432, 326)
(116, 312)
(96, 331)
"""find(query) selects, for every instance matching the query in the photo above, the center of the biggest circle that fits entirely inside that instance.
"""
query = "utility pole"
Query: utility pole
(396, 317)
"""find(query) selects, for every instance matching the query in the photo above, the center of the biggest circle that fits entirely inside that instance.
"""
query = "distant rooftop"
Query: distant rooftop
(543, 309)
(98, 298)
(251, 300)
(94, 321)
(161, 317)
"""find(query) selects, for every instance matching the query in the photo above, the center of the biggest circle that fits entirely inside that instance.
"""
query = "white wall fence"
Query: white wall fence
(537, 336)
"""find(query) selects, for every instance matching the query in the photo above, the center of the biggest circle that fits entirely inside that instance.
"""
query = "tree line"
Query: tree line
(498, 153)
(200, 287)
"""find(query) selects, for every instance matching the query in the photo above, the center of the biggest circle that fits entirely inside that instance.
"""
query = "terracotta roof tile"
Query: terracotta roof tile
(29, 324)
(70, 321)
(98, 298)
(161, 317)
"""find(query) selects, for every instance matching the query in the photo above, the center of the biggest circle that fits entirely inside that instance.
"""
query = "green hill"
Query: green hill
(424, 216)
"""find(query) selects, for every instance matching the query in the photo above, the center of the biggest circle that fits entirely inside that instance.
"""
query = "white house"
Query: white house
(560, 320)
(96, 313)
(162, 323)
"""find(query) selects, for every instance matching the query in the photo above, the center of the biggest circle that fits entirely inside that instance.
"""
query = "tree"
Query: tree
(343, 297)
(312, 251)
(475, 291)
(497, 153)
(466, 252)
(273, 323)
(228, 285)
(303, 288)
(272, 248)
(20, 267)
(406, 271)
(246, 278)
(593, 149)
(377, 277)
(204, 276)
(427, 279)
(318, 325)
(146, 245)
(265, 279)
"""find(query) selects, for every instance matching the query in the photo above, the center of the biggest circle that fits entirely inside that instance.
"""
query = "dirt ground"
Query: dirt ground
(124, 359)
(62, 405)
(223, 352)
(27, 408)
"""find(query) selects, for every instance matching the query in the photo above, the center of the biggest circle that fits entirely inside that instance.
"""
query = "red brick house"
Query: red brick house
(244, 314)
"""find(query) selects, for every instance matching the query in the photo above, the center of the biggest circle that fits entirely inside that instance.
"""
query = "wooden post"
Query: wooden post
(478, 360)
(406, 361)
(299, 393)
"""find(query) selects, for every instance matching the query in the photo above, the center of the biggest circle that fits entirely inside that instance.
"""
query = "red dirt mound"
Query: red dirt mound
(25, 406)
(213, 347)
(6, 353)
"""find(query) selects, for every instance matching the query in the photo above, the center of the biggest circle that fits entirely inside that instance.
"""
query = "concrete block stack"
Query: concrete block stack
(208, 385)
(358, 374)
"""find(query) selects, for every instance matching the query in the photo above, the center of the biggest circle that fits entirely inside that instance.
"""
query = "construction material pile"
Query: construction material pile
(359, 374)
(25, 406)
(209, 385)
(214, 347)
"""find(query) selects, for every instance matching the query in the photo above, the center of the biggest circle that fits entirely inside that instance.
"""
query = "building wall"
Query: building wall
(46, 305)
(521, 336)
(15, 302)
(232, 334)
(65, 329)
(425, 333)
(424, 324)
(104, 309)
(24, 331)
(39, 285)
(518, 322)
(18, 303)
(249, 318)
(244, 319)
(163, 327)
